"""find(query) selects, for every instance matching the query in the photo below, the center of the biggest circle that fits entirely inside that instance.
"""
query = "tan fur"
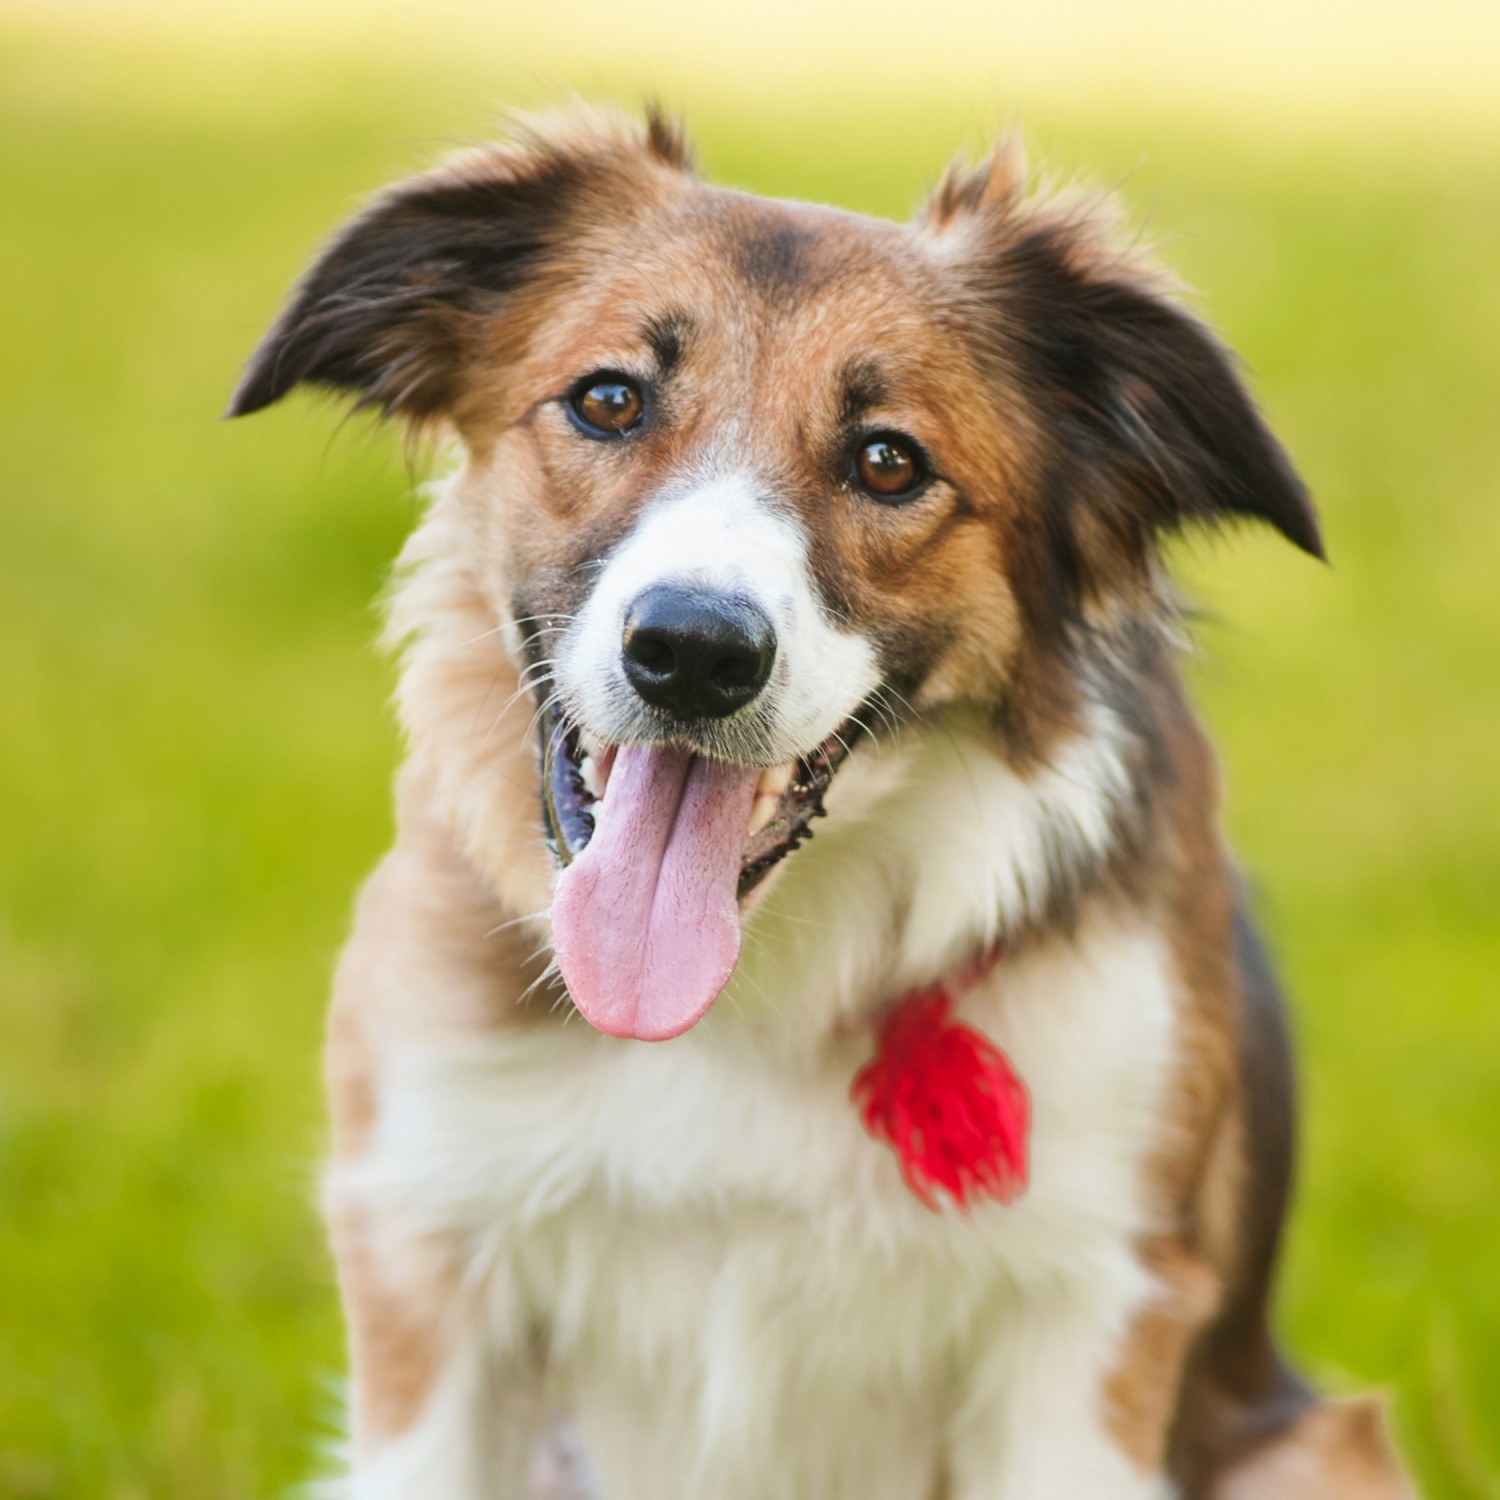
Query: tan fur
(428, 925)
(1206, 1101)
(1140, 1392)
(1338, 1451)
(462, 701)
(395, 1326)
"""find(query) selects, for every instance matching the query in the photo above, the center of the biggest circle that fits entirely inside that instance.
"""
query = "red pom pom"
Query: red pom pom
(947, 1101)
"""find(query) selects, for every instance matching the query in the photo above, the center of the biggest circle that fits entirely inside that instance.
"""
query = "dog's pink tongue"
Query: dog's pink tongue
(645, 921)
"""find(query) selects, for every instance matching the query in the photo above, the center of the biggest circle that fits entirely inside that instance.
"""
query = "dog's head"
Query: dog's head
(745, 474)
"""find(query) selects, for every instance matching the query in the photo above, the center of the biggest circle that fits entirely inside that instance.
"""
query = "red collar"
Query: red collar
(945, 1098)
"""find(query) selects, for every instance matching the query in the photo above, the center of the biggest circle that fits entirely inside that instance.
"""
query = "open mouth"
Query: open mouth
(659, 846)
(786, 799)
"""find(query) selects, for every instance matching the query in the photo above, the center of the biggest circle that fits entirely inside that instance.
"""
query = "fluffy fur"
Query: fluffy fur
(689, 1254)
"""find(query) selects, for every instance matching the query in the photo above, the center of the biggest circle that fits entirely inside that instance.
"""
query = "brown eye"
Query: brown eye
(606, 405)
(889, 467)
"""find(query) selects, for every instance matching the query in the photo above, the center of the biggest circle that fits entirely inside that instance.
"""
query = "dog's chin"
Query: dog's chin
(662, 852)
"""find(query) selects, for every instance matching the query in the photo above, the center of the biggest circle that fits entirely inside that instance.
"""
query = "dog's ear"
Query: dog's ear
(390, 311)
(1145, 422)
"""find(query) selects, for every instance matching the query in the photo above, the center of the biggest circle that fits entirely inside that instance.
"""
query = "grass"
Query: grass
(194, 749)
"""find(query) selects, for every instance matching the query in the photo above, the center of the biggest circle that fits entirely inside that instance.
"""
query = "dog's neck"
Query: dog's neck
(934, 849)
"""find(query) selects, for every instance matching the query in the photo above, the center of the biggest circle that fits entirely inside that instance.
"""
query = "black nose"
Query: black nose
(695, 654)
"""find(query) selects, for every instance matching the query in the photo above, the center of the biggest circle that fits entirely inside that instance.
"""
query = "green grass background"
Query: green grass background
(195, 748)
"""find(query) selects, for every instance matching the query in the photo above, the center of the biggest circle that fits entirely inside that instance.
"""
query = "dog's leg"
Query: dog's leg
(1036, 1419)
(433, 1410)
(446, 1401)
(1337, 1448)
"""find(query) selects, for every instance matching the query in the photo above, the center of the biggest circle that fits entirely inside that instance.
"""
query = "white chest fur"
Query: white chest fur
(733, 1287)
(725, 1267)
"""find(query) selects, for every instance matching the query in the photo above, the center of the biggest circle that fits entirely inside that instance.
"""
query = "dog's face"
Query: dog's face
(747, 474)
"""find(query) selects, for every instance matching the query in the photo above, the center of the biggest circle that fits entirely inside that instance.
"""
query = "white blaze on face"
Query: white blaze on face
(645, 919)
(721, 536)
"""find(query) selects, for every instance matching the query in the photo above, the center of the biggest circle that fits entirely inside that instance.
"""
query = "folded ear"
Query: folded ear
(1145, 422)
(392, 308)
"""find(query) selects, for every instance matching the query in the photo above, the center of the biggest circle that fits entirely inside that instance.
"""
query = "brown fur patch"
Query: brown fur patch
(429, 925)
(667, 138)
(432, 959)
(1141, 1392)
(1338, 1449)
(995, 186)
(395, 1333)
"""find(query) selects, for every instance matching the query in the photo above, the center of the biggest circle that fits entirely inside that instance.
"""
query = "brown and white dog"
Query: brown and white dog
(765, 510)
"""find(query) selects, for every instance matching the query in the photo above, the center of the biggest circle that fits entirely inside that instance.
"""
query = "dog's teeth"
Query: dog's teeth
(775, 781)
(763, 813)
(594, 780)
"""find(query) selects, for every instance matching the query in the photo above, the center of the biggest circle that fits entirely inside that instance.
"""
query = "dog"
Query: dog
(676, 1152)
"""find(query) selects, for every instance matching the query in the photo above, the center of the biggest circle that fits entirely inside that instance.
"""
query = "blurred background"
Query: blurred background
(195, 746)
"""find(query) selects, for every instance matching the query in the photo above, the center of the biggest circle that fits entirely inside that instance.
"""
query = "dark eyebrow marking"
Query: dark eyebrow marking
(862, 387)
(775, 257)
(667, 334)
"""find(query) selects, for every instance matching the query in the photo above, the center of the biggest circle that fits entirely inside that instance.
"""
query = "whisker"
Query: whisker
(848, 749)
(506, 708)
(867, 729)
(548, 975)
(533, 916)
(551, 614)
(551, 701)
(483, 635)
(885, 688)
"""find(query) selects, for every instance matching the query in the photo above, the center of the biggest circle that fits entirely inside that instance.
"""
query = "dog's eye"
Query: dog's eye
(890, 467)
(606, 404)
